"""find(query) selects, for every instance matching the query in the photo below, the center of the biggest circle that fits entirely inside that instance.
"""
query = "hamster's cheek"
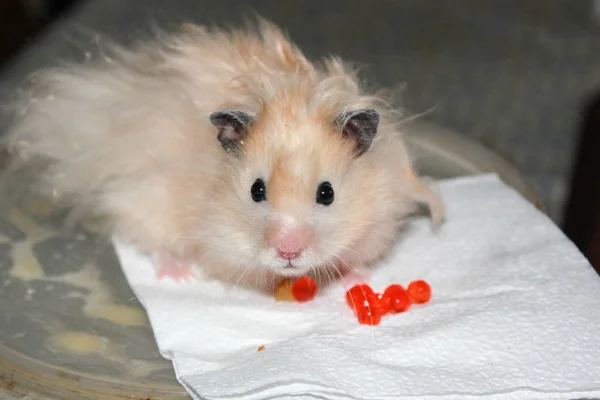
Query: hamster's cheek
(234, 235)
(343, 226)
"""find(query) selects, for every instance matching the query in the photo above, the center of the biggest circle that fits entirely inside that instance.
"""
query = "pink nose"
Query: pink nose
(289, 242)
(291, 245)
(288, 255)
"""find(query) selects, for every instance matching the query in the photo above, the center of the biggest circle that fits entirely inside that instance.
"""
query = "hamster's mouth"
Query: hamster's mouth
(291, 270)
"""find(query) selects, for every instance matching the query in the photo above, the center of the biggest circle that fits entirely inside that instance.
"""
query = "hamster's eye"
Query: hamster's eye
(325, 194)
(258, 191)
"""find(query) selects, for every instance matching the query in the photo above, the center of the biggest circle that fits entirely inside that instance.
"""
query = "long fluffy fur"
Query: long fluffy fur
(129, 138)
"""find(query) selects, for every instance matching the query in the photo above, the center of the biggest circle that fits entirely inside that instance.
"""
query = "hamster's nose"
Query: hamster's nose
(289, 242)
(291, 245)
(288, 255)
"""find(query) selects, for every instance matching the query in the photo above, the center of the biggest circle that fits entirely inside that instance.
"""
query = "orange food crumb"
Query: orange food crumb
(261, 348)
(283, 291)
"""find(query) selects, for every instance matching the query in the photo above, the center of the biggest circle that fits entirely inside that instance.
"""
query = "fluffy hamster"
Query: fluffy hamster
(229, 149)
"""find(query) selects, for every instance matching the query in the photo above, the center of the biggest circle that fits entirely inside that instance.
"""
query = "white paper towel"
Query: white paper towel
(515, 313)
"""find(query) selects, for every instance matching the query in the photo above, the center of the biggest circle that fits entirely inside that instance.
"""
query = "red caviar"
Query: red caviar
(368, 316)
(419, 291)
(370, 307)
(357, 297)
(399, 299)
(304, 289)
(379, 303)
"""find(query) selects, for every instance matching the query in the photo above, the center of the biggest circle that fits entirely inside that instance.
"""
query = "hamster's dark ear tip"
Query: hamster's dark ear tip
(232, 127)
(361, 126)
(240, 120)
(216, 118)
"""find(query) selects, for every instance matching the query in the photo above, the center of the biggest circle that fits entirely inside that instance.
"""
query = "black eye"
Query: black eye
(258, 191)
(325, 194)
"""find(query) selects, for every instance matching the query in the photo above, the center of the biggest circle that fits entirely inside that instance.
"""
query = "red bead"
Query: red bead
(357, 296)
(419, 291)
(398, 298)
(379, 303)
(304, 289)
(368, 316)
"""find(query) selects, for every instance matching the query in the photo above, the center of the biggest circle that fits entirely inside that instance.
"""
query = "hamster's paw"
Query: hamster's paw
(169, 267)
(355, 276)
(177, 273)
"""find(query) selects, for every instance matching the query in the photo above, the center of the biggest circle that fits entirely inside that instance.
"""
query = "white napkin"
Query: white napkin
(515, 314)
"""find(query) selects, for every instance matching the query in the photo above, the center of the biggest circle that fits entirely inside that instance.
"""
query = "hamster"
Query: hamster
(226, 149)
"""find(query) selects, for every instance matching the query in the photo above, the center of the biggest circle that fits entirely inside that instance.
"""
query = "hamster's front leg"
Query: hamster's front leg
(170, 267)
(354, 275)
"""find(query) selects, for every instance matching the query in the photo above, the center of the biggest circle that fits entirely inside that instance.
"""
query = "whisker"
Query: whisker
(349, 249)
(273, 280)
(318, 270)
(335, 270)
(346, 264)
(242, 275)
(327, 274)
(340, 246)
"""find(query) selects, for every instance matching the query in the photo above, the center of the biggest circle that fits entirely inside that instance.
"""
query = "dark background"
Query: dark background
(21, 20)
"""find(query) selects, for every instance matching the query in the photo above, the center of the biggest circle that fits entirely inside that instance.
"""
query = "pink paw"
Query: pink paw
(355, 277)
(169, 267)
(178, 273)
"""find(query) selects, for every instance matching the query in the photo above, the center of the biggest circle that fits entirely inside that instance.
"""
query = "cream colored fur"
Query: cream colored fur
(130, 138)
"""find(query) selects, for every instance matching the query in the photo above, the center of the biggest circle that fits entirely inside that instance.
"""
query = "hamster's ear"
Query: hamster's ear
(360, 126)
(233, 128)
